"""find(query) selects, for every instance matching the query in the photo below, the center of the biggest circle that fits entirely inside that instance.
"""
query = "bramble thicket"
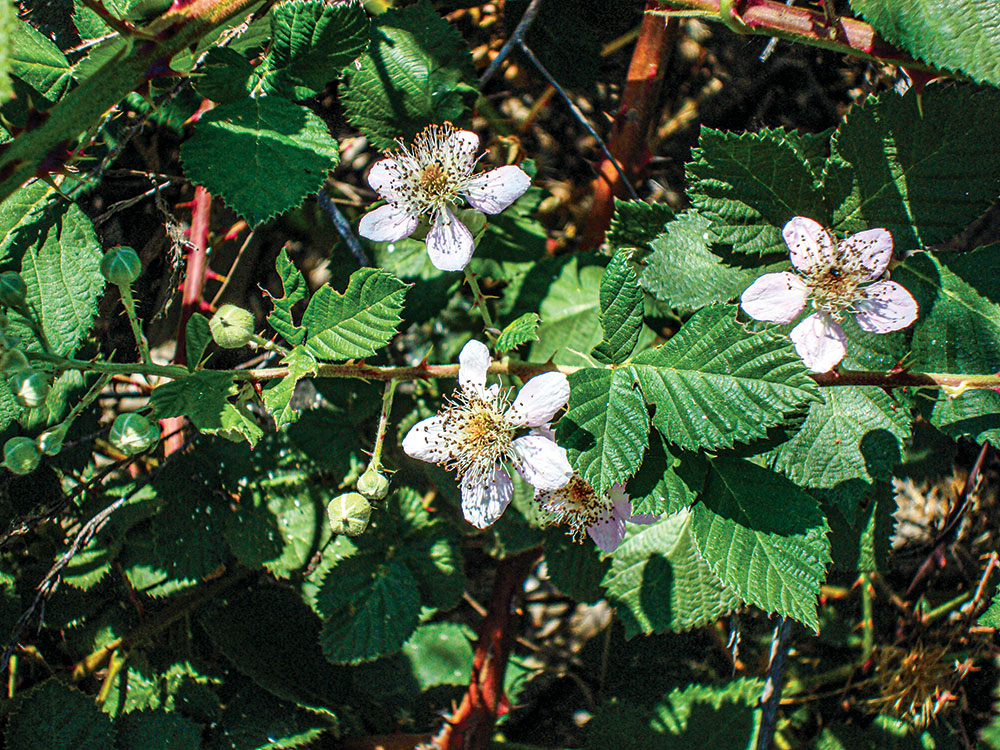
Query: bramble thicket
(524, 373)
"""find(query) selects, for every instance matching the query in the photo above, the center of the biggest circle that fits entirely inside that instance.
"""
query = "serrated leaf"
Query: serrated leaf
(225, 76)
(440, 653)
(575, 567)
(991, 617)
(719, 716)
(606, 426)
(295, 290)
(637, 223)
(278, 395)
(187, 534)
(38, 62)
(202, 396)
(660, 582)
(922, 167)
(749, 185)
(764, 537)
(621, 301)
(570, 311)
(237, 150)
(312, 42)
(961, 35)
(668, 481)
(197, 335)
(52, 716)
(140, 730)
(519, 331)
(256, 720)
(417, 72)
(358, 322)
(8, 22)
(714, 384)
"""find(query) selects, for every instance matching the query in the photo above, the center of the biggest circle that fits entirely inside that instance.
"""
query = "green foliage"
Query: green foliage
(259, 721)
(575, 565)
(8, 22)
(278, 395)
(197, 336)
(38, 62)
(202, 397)
(570, 312)
(271, 135)
(439, 653)
(669, 480)
(719, 715)
(519, 331)
(139, 730)
(295, 290)
(636, 223)
(54, 717)
(962, 35)
(621, 310)
(991, 617)
(416, 72)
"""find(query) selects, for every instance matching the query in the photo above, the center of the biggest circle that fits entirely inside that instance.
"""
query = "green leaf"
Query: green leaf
(621, 301)
(714, 384)
(256, 720)
(278, 395)
(440, 654)
(719, 716)
(139, 730)
(637, 223)
(52, 716)
(417, 72)
(575, 567)
(963, 35)
(197, 335)
(291, 666)
(202, 396)
(225, 76)
(295, 290)
(358, 322)
(38, 62)
(668, 481)
(8, 24)
(312, 42)
(519, 331)
(570, 313)
(991, 617)
(659, 581)
(922, 167)
(750, 184)
(764, 537)
(606, 426)
(272, 136)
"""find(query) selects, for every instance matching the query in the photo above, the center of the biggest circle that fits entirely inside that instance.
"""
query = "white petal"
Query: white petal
(867, 254)
(483, 502)
(449, 242)
(777, 297)
(384, 179)
(461, 148)
(491, 192)
(426, 441)
(387, 224)
(608, 532)
(820, 341)
(473, 363)
(887, 306)
(809, 243)
(545, 430)
(539, 399)
(541, 462)
(622, 507)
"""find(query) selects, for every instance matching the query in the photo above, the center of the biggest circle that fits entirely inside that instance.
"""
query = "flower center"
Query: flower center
(833, 289)
(433, 171)
(479, 428)
(433, 178)
(576, 504)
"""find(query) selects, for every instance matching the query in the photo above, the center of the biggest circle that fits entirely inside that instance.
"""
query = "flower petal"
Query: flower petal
(427, 441)
(483, 502)
(449, 242)
(887, 306)
(460, 149)
(777, 297)
(384, 179)
(473, 363)
(541, 462)
(608, 532)
(491, 192)
(622, 507)
(820, 341)
(539, 399)
(387, 224)
(867, 254)
(809, 244)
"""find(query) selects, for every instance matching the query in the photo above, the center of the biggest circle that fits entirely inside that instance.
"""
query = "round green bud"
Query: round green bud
(12, 289)
(12, 361)
(349, 514)
(121, 265)
(231, 327)
(30, 388)
(50, 442)
(20, 455)
(373, 485)
(133, 434)
(473, 219)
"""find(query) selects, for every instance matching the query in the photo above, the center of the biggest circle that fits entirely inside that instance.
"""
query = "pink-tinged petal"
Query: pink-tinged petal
(622, 507)
(473, 363)
(461, 147)
(867, 254)
(545, 430)
(539, 399)
(809, 244)
(387, 224)
(820, 341)
(491, 192)
(384, 179)
(541, 462)
(644, 519)
(426, 441)
(484, 501)
(608, 532)
(777, 297)
(449, 242)
(887, 306)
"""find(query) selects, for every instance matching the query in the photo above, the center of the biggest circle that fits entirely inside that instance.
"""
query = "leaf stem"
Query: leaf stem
(128, 302)
(491, 330)
(383, 424)
(867, 617)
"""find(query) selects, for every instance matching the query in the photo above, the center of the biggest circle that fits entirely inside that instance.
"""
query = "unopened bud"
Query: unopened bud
(20, 455)
(50, 442)
(373, 485)
(121, 265)
(30, 388)
(133, 434)
(231, 327)
(13, 360)
(12, 289)
(349, 514)
(474, 220)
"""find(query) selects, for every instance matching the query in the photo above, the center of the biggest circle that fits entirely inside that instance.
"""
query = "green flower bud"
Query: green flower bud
(373, 485)
(20, 455)
(29, 387)
(133, 434)
(473, 219)
(13, 360)
(50, 442)
(121, 265)
(231, 327)
(12, 289)
(349, 514)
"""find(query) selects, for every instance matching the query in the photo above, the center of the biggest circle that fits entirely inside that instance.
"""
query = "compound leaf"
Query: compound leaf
(295, 289)
(52, 716)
